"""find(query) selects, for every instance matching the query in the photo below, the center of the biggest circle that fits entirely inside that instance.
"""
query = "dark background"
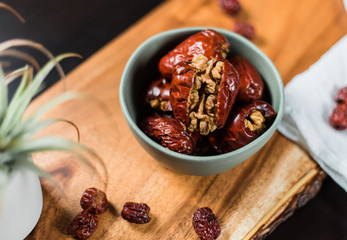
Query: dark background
(85, 26)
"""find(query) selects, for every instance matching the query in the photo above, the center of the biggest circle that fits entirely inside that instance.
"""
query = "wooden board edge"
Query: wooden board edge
(303, 191)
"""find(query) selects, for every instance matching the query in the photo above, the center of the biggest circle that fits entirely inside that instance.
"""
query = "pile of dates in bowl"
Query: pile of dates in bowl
(201, 101)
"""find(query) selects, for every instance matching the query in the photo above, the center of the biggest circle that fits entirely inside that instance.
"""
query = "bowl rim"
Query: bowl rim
(133, 126)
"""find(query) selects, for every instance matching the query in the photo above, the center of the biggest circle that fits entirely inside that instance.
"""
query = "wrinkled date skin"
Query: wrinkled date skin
(83, 225)
(226, 89)
(205, 224)
(158, 94)
(169, 132)
(244, 29)
(181, 85)
(230, 7)
(251, 83)
(208, 42)
(198, 91)
(341, 96)
(136, 212)
(338, 118)
(94, 201)
(244, 125)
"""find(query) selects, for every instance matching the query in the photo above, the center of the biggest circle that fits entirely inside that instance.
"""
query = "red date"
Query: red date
(169, 132)
(244, 125)
(338, 118)
(205, 224)
(230, 7)
(200, 85)
(251, 83)
(158, 94)
(203, 92)
(341, 96)
(83, 225)
(136, 212)
(94, 201)
(208, 42)
(244, 29)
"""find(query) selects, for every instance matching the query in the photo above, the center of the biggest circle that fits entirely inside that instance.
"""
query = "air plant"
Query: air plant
(17, 133)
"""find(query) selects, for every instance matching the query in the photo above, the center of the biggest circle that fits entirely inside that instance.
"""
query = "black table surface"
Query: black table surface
(84, 26)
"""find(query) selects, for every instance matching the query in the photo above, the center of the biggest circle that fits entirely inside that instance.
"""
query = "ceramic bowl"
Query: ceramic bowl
(142, 67)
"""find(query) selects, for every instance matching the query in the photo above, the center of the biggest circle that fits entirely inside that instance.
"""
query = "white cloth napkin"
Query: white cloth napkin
(309, 103)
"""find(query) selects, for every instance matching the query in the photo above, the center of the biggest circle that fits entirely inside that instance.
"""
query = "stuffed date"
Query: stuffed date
(251, 83)
(208, 102)
(244, 125)
(208, 43)
(203, 92)
(170, 133)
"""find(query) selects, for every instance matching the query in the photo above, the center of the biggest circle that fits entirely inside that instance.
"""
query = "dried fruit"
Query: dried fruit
(169, 132)
(230, 7)
(251, 83)
(158, 94)
(244, 29)
(341, 96)
(136, 212)
(94, 201)
(208, 43)
(203, 92)
(245, 124)
(83, 225)
(338, 118)
(205, 224)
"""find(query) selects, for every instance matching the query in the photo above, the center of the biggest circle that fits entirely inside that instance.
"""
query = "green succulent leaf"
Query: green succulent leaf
(16, 133)
(23, 84)
(51, 104)
(3, 94)
(30, 126)
(5, 157)
(25, 131)
(25, 162)
(14, 12)
(17, 106)
(42, 144)
(50, 144)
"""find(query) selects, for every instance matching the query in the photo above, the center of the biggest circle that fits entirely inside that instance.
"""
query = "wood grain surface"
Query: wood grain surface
(249, 200)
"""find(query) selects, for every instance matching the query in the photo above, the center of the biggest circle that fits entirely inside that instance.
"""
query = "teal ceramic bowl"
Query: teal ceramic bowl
(142, 67)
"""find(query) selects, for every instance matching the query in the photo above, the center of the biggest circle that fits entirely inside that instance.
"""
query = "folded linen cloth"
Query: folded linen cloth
(309, 103)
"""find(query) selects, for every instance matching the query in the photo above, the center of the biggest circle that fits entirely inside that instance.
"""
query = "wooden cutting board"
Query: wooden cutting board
(249, 200)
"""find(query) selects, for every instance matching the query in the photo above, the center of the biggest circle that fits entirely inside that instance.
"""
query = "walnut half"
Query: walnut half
(255, 122)
(202, 102)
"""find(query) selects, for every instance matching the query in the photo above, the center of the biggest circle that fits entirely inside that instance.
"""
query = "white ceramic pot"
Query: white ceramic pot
(22, 205)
